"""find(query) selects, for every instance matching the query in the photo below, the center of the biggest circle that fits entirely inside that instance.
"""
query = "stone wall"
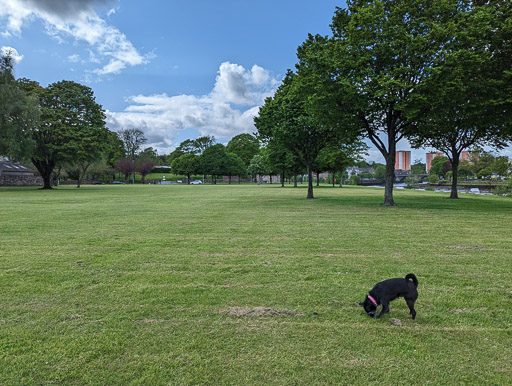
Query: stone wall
(7, 179)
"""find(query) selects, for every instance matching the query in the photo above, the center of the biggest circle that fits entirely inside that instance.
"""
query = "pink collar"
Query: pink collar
(373, 300)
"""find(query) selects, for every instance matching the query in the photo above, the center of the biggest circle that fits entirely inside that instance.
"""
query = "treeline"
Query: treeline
(436, 73)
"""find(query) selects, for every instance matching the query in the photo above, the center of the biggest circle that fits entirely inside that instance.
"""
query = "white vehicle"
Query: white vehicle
(196, 182)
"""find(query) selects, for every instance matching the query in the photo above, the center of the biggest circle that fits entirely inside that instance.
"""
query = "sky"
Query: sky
(175, 69)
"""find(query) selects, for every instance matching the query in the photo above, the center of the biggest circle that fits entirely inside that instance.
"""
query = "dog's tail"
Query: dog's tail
(413, 278)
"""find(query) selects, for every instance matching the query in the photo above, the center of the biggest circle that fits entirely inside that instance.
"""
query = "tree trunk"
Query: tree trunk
(282, 179)
(310, 183)
(46, 170)
(341, 178)
(455, 169)
(317, 178)
(390, 179)
(295, 181)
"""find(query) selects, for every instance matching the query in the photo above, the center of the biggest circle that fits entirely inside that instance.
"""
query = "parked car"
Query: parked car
(118, 182)
(179, 181)
(196, 182)
(98, 183)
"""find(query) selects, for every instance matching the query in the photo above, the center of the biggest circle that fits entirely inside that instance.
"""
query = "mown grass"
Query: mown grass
(131, 284)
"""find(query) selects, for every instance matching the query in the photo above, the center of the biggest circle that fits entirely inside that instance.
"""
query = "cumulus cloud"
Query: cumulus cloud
(12, 52)
(79, 20)
(229, 109)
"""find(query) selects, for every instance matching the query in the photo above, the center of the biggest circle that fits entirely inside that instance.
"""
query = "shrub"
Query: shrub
(412, 181)
(354, 179)
(433, 179)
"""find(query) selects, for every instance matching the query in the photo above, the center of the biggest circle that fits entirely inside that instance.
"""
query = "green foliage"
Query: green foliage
(246, 146)
(214, 161)
(412, 181)
(503, 189)
(18, 114)
(72, 127)
(418, 167)
(440, 165)
(186, 164)
(354, 179)
(433, 179)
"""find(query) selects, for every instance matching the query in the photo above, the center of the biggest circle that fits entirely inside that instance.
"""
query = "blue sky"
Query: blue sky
(175, 69)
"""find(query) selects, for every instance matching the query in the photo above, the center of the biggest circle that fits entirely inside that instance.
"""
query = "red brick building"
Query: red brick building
(403, 160)
(471, 156)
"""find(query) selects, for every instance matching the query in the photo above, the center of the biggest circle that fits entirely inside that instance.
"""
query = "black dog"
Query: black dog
(388, 290)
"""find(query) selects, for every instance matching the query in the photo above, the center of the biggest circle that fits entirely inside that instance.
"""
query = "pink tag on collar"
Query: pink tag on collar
(373, 300)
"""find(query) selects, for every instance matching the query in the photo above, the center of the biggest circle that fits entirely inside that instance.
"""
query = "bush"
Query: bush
(433, 179)
(354, 180)
(503, 190)
(412, 181)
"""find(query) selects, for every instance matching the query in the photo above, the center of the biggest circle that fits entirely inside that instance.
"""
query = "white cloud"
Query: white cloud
(12, 52)
(79, 20)
(218, 113)
(74, 58)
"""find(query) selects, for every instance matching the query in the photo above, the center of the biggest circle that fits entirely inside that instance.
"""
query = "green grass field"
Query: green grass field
(140, 284)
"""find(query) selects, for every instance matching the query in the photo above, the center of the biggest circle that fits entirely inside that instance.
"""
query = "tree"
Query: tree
(214, 161)
(203, 143)
(114, 151)
(285, 119)
(257, 167)
(186, 164)
(470, 85)
(19, 113)
(418, 167)
(501, 166)
(235, 166)
(337, 158)
(278, 158)
(71, 130)
(440, 165)
(144, 167)
(245, 146)
(369, 71)
(133, 140)
(125, 166)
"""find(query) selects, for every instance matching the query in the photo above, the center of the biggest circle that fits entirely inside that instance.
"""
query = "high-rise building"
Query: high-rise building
(471, 156)
(403, 160)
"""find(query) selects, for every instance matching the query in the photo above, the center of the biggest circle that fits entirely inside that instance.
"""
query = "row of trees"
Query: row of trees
(61, 130)
(484, 167)
(436, 73)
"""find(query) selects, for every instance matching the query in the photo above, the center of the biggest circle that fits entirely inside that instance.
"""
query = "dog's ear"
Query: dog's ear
(361, 303)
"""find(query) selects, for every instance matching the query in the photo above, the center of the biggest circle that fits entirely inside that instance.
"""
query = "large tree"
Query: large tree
(371, 67)
(214, 161)
(72, 126)
(186, 164)
(19, 113)
(285, 118)
(469, 90)
(133, 139)
(245, 146)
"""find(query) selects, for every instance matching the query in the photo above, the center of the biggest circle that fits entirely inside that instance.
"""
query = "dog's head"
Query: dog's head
(368, 306)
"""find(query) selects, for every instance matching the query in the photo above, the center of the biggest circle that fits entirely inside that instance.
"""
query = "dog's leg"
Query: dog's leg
(385, 310)
(410, 304)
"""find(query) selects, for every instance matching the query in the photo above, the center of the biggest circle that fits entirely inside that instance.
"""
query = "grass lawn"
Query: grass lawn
(140, 284)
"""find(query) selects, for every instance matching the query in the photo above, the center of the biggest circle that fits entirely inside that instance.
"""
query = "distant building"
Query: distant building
(470, 156)
(14, 174)
(403, 160)
(430, 157)
(357, 171)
